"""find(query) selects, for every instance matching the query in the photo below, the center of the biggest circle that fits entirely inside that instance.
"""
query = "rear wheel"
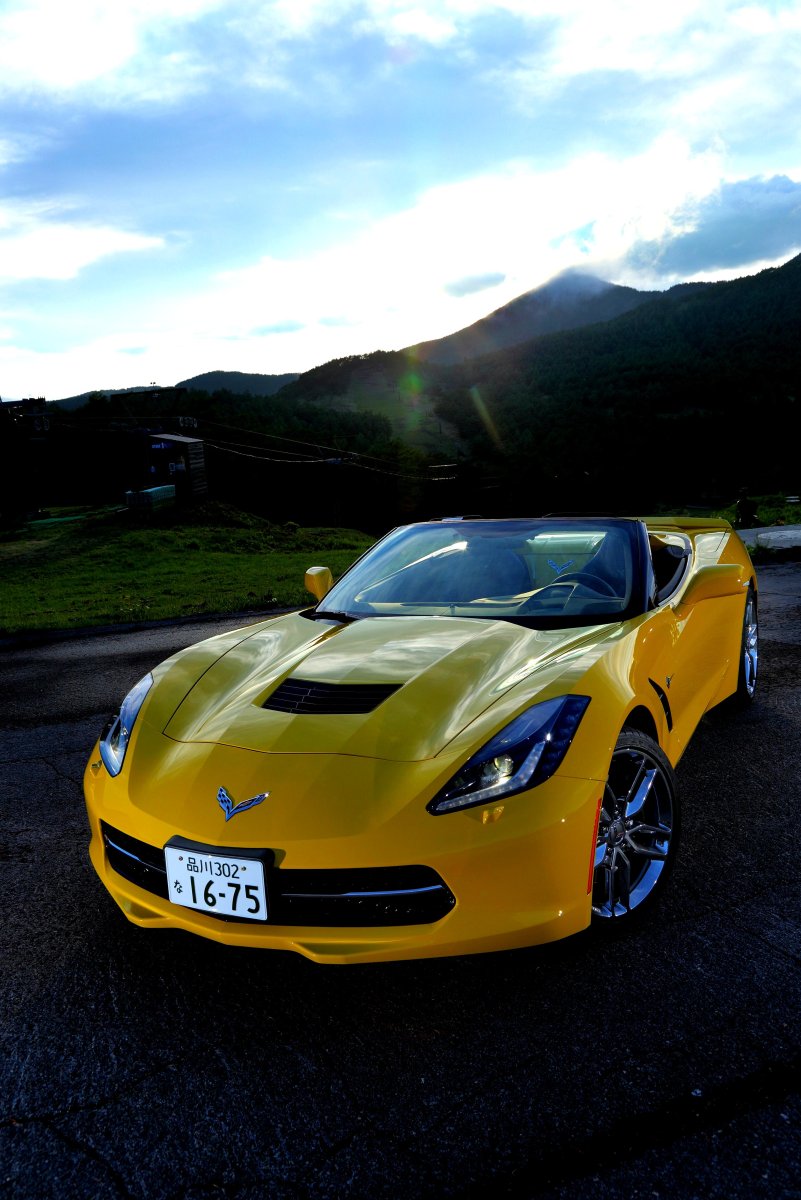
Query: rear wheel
(637, 831)
(749, 652)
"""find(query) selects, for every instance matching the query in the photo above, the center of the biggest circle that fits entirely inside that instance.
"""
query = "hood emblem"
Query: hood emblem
(230, 809)
(555, 567)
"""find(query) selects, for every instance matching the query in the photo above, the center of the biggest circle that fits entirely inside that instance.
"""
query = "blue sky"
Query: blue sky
(192, 185)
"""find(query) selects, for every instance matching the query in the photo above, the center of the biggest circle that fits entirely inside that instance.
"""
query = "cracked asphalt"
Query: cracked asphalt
(155, 1065)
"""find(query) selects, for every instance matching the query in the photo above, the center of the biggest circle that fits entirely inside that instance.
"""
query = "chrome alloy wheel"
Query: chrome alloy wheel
(637, 827)
(750, 661)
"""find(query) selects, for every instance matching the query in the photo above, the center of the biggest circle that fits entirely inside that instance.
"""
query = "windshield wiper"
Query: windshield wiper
(320, 614)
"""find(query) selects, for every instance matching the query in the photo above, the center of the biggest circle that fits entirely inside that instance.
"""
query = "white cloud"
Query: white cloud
(707, 72)
(161, 50)
(519, 223)
(755, 220)
(47, 45)
(392, 284)
(143, 49)
(654, 41)
(17, 149)
(434, 24)
(704, 68)
(649, 280)
(36, 244)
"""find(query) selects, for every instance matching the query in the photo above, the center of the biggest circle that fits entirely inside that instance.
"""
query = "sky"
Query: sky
(265, 185)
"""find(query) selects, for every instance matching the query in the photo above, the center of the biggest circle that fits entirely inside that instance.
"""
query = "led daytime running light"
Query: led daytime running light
(522, 755)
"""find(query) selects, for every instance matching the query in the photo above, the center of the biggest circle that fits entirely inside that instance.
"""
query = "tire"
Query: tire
(749, 653)
(638, 831)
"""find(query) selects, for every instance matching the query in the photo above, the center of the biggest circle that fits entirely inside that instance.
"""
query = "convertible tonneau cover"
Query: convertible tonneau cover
(688, 524)
(683, 524)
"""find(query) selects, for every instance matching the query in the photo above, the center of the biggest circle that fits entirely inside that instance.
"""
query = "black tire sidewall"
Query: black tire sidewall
(634, 739)
(741, 697)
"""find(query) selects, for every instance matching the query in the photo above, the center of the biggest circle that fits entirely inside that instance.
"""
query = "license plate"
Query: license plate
(218, 884)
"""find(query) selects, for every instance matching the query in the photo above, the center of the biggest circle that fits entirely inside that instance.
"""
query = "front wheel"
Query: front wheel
(637, 831)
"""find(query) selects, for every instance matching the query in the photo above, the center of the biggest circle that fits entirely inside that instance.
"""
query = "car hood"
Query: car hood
(449, 671)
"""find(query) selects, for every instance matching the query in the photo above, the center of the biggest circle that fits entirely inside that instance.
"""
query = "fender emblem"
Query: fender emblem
(230, 809)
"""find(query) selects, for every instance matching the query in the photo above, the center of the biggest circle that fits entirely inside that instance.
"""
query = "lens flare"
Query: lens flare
(486, 418)
(411, 385)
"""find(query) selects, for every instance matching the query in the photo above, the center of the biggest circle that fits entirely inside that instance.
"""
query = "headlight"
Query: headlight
(114, 741)
(526, 752)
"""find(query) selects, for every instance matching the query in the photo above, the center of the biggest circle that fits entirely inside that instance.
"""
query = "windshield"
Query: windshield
(540, 572)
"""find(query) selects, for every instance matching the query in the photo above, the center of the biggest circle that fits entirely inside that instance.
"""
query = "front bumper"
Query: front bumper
(517, 873)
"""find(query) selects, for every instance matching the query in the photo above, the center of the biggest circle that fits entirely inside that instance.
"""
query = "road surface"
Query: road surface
(153, 1065)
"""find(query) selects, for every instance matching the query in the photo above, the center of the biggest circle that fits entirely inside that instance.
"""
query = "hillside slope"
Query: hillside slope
(697, 390)
(239, 382)
(570, 301)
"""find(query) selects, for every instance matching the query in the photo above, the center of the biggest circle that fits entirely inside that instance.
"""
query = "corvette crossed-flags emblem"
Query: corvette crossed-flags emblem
(230, 809)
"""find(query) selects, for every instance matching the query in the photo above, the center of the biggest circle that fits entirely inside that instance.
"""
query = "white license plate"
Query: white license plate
(216, 883)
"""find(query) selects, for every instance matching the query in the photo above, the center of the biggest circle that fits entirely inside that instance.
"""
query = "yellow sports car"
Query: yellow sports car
(468, 744)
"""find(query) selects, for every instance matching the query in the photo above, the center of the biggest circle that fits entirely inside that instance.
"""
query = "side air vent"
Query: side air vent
(306, 696)
(664, 702)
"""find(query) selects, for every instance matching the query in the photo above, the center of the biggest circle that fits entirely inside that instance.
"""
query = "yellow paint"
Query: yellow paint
(351, 790)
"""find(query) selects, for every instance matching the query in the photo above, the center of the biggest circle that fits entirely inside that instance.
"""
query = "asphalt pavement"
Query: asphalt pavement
(149, 1065)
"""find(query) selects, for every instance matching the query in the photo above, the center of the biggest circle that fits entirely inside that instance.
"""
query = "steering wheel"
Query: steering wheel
(557, 587)
(566, 585)
(595, 582)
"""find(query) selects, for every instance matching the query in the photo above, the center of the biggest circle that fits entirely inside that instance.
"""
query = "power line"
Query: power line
(344, 462)
(296, 441)
(224, 447)
(288, 462)
(246, 446)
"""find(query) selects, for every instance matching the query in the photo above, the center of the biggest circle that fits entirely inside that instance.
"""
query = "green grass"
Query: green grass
(771, 510)
(116, 567)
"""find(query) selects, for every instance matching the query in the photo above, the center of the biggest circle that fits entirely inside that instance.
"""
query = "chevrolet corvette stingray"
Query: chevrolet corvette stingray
(467, 744)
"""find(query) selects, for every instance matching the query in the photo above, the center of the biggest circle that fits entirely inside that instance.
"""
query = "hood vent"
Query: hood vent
(307, 696)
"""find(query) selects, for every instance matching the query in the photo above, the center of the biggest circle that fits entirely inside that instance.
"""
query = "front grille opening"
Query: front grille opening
(360, 896)
(136, 861)
(309, 696)
(365, 897)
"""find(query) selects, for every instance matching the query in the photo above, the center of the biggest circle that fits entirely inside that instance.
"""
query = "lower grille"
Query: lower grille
(136, 861)
(359, 896)
(355, 897)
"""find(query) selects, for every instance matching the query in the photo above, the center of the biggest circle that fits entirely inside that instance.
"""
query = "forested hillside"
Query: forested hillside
(239, 383)
(695, 392)
(279, 457)
(687, 398)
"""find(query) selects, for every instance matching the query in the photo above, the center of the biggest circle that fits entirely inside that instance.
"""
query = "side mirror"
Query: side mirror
(318, 581)
(724, 579)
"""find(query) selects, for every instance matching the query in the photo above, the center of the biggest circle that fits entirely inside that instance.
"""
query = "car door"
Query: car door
(690, 649)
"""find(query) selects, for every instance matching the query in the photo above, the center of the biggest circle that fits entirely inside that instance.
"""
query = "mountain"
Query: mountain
(406, 386)
(697, 391)
(570, 301)
(238, 382)
(69, 403)
(618, 398)
(390, 384)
